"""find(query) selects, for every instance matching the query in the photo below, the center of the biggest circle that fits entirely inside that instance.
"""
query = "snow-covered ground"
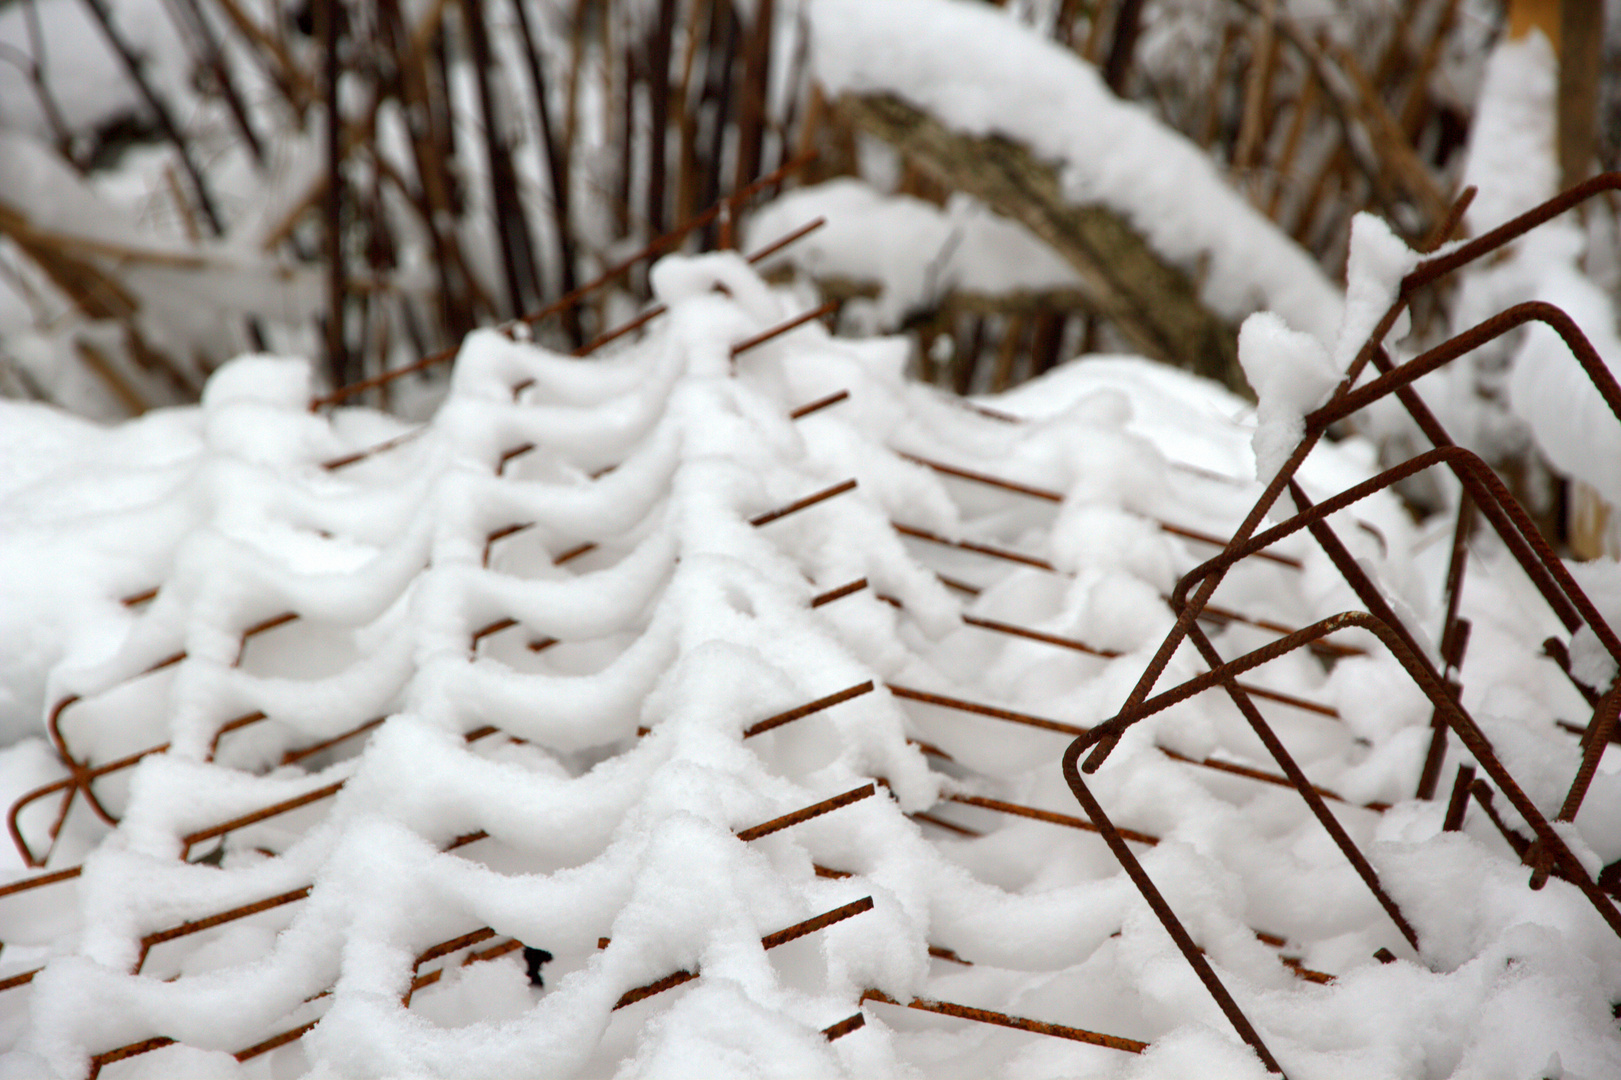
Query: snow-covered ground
(604, 777)
(419, 705)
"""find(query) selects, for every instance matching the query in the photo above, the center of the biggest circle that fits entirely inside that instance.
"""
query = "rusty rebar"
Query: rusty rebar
(1458, 805)
(994, 712)
(1598, 736)
(844, 1027)
(800, 504)
(826, 806)
(770, 941)
(839, 593)
(1038, 814)
(782, 328)
(968, 545)
(1424, 677)
(1167, 917)
(808, 709)
(1048, 495)
(819, 404)
(1018, 1023)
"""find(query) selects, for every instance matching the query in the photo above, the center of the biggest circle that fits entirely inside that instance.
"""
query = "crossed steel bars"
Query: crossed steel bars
(82, 776)
(1548, 852)
(475, 937)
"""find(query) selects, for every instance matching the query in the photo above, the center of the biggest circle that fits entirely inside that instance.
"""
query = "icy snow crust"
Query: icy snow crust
(692, 623)
(983, 73)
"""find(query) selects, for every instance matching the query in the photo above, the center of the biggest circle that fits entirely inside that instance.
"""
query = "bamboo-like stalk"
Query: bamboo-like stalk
(513, 238)
(191, 21)
(1257, 88)
(699, 17)
(555, 170)
(42, 90)
(285, 73)
(798, 63)
(753, 103)
(657, 51)
(135, 68)
(1305, 106)
(1413, 108)
(1212, 101)
(435, 203)
(337, 350)
(723, 47)
(1123, 44)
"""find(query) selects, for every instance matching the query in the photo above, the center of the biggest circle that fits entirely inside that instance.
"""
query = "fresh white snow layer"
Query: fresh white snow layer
(981, 73)
(619, 771)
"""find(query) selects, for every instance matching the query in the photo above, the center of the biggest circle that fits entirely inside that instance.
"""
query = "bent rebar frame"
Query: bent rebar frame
(1547, 853)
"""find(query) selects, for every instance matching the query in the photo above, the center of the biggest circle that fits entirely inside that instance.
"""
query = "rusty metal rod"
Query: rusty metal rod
(770, 941)
(1018, 1023)
(1037, 814)
(968, 545)
(1167, 917)
(782, 328)
(1457, 718)
(1458, 805)
(844, 1027)
(807, 709)
(810, 500)
(928, 698)
(826, 806)
(1598, 736)
(839, 593)
(942, 823)
(819, 404)
(1048, 495)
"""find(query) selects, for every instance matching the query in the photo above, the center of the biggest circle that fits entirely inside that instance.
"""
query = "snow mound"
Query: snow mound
(528, 691)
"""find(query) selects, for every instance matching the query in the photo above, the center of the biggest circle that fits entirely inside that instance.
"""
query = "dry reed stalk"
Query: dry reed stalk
(337, 348)
(753, 105)
(194, 26)
(42, 90)
(97, 294)
(799, 64)
(436, 204)
(102, 366)
(135, 68)
(1413, 107)
(1093, 45)
(1283, 165)
(514, 239)
(1218, 75)
(1007, 353)
(1069, 12)
(658, 52)
(718, 89)
(182, 206)
(555, 170)
(285, 74)
(1396, 159)
(1257, 91)
(1123, 44)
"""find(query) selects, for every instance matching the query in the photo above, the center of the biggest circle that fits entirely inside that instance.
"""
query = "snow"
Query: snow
(982, 73)
(1513, 163)
(1291, 374)
(918, 251)
(691, 623)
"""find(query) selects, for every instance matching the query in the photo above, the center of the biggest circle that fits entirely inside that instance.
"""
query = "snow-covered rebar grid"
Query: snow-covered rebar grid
(516, 696)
